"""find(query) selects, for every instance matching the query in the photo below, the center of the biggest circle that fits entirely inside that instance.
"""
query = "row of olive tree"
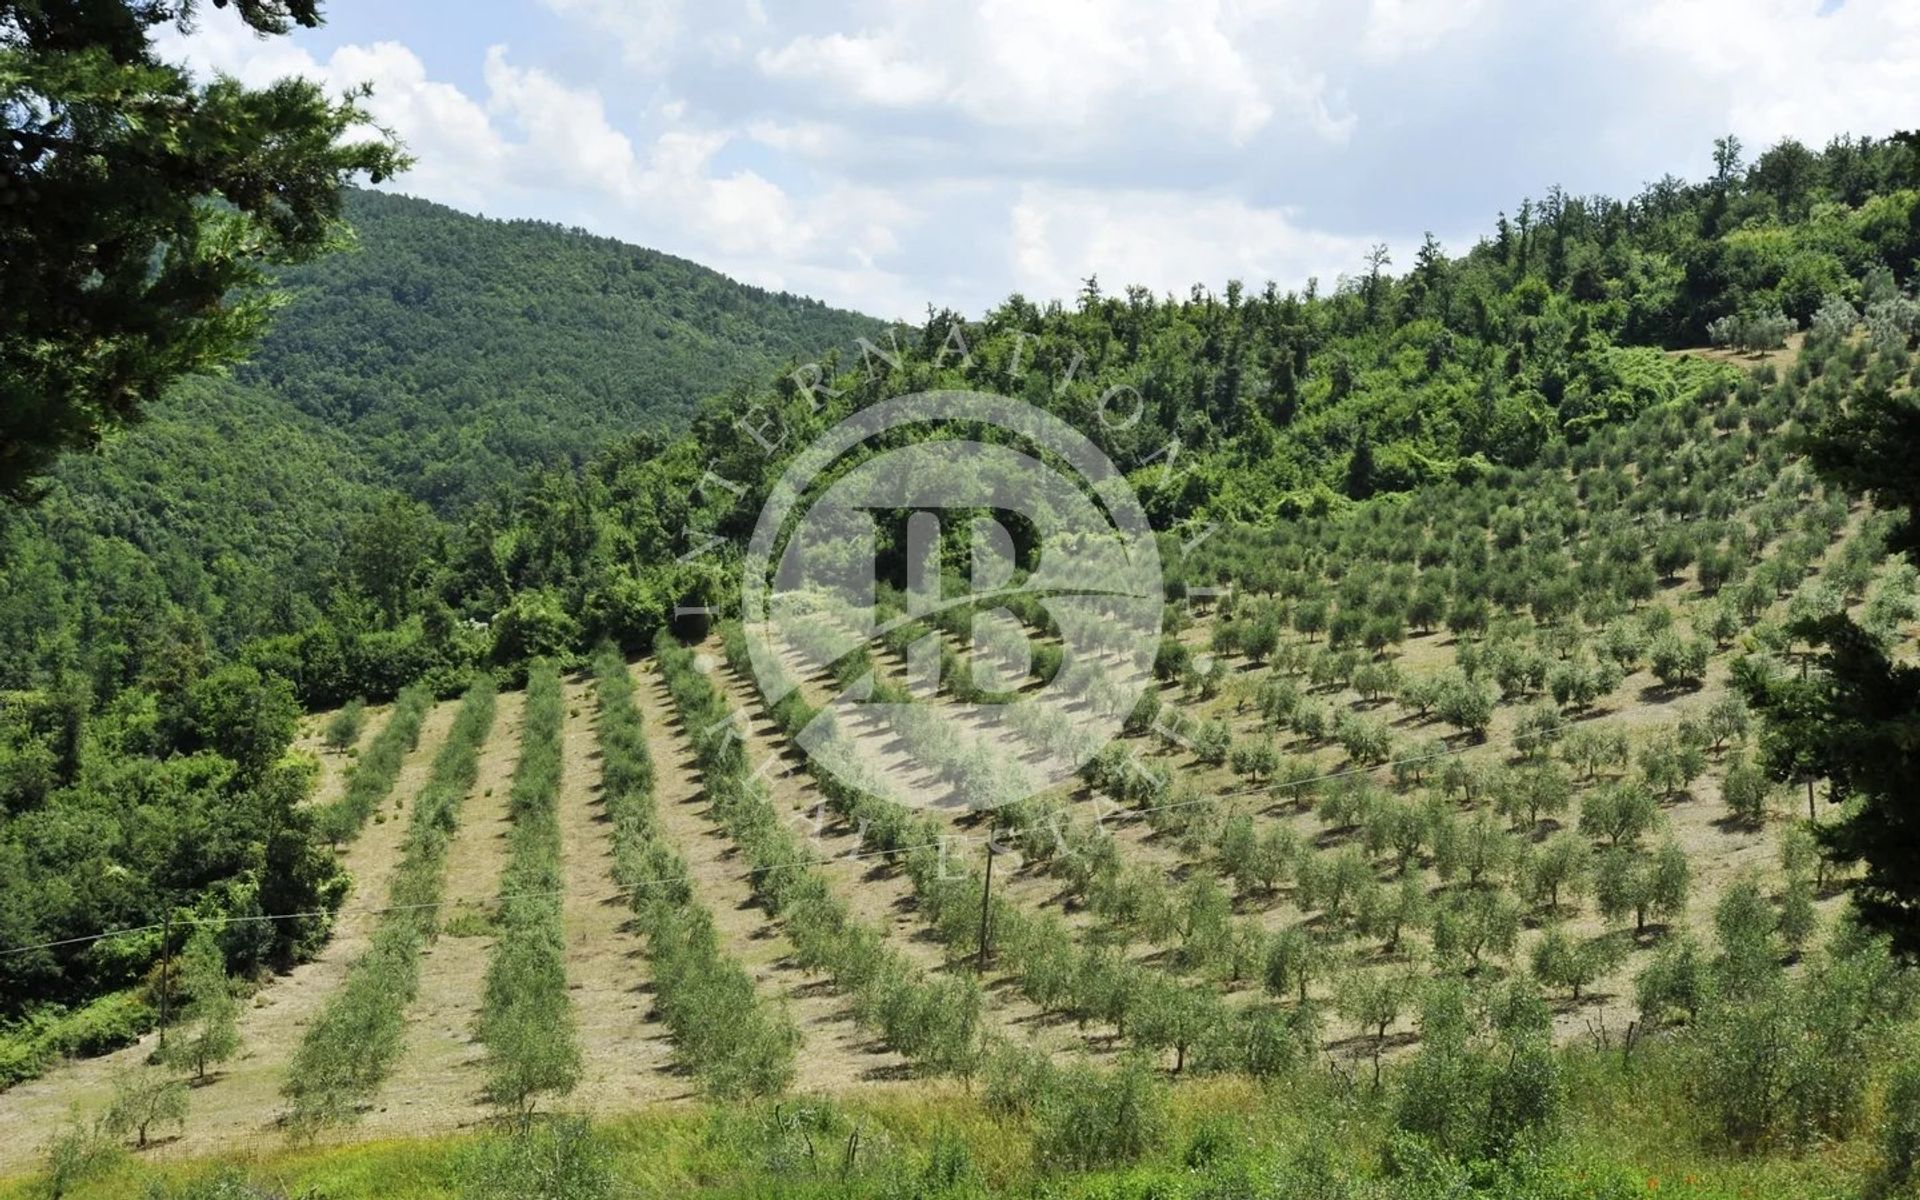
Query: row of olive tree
(526, 1018)
(723, 1032)
(372, 775)
(352, 1046)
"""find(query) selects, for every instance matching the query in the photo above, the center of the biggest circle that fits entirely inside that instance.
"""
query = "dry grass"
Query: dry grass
(835, 1052)
(239, 1105)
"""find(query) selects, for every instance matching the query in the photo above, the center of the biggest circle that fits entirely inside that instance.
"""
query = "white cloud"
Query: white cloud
(1780, 68)
(1163, 240)
(1091, 70)
(646, 30)
(885, 155)
(875, 68)
(1399, 28)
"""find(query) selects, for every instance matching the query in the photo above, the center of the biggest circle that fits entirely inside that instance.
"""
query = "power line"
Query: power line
(1128, 814)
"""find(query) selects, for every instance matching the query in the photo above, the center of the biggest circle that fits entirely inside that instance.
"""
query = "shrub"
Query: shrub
(563, 1159)
(1477, 1090)
(343, 728)
(107, 1023)
(79, 1151)
(1900, 1126)
(1087, 1118)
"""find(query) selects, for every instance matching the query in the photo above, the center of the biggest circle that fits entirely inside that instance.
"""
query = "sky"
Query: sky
(888, 155)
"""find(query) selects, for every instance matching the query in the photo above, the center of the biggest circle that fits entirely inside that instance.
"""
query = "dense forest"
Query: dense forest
(456, 354)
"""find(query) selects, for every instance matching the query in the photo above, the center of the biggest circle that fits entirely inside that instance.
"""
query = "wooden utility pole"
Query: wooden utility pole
(986, 902)
(166, 969)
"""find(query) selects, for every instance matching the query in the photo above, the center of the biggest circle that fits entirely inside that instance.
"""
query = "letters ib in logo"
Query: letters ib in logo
(1002, 529)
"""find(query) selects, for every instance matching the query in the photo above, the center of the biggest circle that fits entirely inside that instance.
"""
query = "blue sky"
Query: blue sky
(892, 154)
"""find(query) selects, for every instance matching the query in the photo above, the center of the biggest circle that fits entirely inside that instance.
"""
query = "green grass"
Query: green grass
(1628, 1133)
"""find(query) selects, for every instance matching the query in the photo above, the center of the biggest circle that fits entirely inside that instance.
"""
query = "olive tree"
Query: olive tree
(209, 1030)
(142, 1098)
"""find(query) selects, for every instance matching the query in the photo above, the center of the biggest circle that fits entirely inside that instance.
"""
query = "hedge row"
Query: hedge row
(372, 775)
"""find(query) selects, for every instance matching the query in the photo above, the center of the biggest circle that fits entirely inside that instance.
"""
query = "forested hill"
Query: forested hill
(444, 357)
(457, 351)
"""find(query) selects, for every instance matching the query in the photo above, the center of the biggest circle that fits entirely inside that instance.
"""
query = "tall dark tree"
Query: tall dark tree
(139, 208)
(1856, 720)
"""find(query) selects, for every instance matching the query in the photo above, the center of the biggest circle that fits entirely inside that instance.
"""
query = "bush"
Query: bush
(1476, 1089)
(114, 1020)
(1087, 1118)
(562, 1159)
(81, 1150)
(1900, 1125)
(343, 728)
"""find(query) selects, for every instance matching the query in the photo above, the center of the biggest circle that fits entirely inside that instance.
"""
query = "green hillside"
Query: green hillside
(456, 352)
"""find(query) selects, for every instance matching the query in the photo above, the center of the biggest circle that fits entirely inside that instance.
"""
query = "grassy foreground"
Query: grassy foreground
(1627, 1130)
